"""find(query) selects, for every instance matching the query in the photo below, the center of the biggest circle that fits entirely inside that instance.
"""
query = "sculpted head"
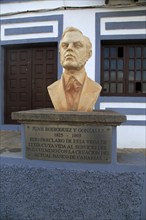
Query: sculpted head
(75, 49)
(75, 91)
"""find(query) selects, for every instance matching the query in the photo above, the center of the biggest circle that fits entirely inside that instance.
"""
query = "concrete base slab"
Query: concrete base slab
(35, 191)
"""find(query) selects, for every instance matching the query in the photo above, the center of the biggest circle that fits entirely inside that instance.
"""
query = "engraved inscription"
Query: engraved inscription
(69, 143)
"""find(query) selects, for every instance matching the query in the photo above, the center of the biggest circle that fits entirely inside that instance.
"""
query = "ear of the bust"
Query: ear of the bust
(89, 54)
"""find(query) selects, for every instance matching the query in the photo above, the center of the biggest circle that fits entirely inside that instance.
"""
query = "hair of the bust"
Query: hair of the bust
(87, 40)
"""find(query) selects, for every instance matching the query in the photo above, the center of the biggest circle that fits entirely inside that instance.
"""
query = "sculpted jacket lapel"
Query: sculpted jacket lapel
(89, 95)
(56, 90)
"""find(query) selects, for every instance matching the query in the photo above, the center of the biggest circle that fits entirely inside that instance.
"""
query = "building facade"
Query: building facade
(29, 57)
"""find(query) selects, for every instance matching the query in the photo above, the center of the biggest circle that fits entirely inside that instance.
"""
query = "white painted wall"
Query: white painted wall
(87, 26)
(122, 31)
(84, 19)
(47, 5)
(131, 136)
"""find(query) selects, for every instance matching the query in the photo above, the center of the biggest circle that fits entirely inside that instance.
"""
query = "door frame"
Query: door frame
(22, 46)
(33, 40)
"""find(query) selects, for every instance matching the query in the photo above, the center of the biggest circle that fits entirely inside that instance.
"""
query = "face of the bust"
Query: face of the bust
(73, 51)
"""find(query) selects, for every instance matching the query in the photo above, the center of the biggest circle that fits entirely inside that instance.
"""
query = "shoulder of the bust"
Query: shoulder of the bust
(94, 83)
(54, 85)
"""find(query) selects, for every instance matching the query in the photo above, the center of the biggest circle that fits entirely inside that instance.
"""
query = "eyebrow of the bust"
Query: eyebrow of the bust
(75, 42)
(78, 42)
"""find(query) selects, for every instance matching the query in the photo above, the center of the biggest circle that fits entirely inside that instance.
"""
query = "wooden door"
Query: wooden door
(28, 72)
(44, 73)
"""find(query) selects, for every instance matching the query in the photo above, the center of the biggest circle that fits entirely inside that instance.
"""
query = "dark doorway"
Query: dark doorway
(28, 71)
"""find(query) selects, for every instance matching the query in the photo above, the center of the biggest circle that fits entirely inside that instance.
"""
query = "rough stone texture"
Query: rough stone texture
(100, 117)
(11, 146)
(34, 193)
(39, 192)
(10, 141)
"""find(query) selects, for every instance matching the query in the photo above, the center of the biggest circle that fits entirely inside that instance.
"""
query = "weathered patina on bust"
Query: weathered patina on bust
(75, 91)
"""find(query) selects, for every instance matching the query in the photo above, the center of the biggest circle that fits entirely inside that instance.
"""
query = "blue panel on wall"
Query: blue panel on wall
(125, 25)
(28, 30)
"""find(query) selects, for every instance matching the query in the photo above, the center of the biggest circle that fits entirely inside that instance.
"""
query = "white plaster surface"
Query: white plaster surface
(131, 136)
(83, 19)
(29, 36)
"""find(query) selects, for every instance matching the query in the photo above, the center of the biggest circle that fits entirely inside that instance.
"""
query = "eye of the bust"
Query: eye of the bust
(64, 45)
(78, 44)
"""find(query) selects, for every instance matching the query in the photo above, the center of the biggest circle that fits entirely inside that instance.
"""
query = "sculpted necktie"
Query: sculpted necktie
(73, 84)
(73, 89)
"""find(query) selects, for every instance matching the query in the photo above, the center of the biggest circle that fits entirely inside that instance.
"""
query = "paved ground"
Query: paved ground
(10, 146)
(10, 143)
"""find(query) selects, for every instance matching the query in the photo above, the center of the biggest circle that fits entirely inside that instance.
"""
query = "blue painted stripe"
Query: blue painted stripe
(123, 37)
(136, 123)
(120, 14)
(28, 41)
(9, 127)
(32, 19)
(29, 30)
(123, 99)
(129, 111)
(11, 1)
(125, 25)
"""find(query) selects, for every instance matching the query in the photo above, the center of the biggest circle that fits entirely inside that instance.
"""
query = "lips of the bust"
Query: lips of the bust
(69, 56)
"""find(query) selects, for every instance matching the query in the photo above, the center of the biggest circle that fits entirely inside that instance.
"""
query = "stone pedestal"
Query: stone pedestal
(39, 186)
(70, 136)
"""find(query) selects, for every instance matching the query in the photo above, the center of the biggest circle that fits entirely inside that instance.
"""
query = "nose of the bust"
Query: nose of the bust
(70, 46)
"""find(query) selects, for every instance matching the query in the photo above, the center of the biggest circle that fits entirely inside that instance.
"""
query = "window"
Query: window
(123, 69)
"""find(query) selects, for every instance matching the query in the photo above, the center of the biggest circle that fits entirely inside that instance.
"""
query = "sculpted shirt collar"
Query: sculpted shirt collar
(80, 77)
